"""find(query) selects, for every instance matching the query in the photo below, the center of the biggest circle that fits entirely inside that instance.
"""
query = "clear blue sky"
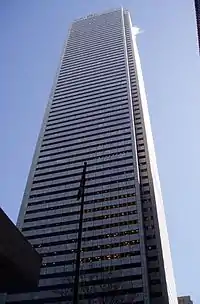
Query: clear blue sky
(32, 35)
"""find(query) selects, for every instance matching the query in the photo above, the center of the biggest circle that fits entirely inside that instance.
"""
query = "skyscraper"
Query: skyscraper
(97, 121)
(197, 11)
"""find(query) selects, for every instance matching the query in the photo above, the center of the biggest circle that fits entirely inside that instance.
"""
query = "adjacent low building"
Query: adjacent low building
(185, 300)
(19, 261)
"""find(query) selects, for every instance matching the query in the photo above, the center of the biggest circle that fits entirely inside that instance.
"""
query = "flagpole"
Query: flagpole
(81, 193)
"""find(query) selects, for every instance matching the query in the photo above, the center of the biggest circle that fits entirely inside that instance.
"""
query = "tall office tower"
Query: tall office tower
(197, 11)
(185, 300)
(97, 114)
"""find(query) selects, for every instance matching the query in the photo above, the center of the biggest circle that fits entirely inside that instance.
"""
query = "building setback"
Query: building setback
(97, 113)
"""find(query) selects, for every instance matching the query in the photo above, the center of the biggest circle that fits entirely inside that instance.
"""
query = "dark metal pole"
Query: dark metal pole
(81, 193)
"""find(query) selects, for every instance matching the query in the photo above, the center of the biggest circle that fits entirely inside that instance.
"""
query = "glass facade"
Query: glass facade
(197, 11)
(96, 114)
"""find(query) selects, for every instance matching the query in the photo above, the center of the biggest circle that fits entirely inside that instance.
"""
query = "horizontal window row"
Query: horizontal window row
(93, 110)
(61, 198)
(110, 245)
(94, 66)
(92, 270)
(93, 219)
(112, 95)
(104, 199)
(66, 212)
(73, 160)
(110, 207)
(68, 216)
(61, 296)
(100, 141)
(97, 136)
(69, 231)
(95, 186)
(100, 155)
(90, 43)
(106, 114)
(88, 131)
(95, 63)
(71, 195)
(125, 161)
(77, 172)
(97, 49)
(94, 77)
(91, 107)
(103, 41)
(111, 76)
(110, 235)
(95, 36)
(89, 23)
(81, 124)
(110, 256)
(91, 71)
(88, 95)
(121, 183)
(82, 84)
(76, 165)
(51, 216)
(97, 57)
(80, 56)
(97, 282)
(83, 130)
(86, 121)
(96, 189)
(87, 239)
(92, 248)
(108, 118)
(112, 72)
(98, 79)
(93, 90)
(100, 150)
(111, 18)
(66, 224)
(79, 52)
(96, 114)
(99, 167)
(55, 215)
(92, 55)
(70, 105)
(93, 26)
(45, 205)
(97, 179)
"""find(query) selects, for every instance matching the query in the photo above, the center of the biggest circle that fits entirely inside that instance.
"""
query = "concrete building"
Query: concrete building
(185, 300)
(19, 261)
(97, 113)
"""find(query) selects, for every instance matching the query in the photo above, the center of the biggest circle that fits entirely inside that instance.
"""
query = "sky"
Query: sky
(32, 36)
